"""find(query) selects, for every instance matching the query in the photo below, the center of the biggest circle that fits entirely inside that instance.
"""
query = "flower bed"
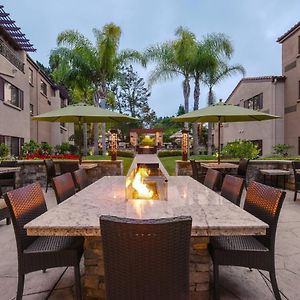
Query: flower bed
(43, 156)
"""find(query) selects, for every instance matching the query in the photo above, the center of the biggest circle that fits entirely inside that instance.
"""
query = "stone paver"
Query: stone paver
(236, 283)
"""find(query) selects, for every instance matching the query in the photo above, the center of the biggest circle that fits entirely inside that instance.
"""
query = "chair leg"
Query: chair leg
(21, 278)
(47, 186)
(216, 282)
(274, 285)
(77, 282)
(295, 195)
(7, 221)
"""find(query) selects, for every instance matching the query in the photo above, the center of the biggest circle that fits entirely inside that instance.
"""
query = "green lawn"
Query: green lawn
(169, 162)
(126, 160)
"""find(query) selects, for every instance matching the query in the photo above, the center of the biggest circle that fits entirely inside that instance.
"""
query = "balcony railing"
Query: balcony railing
(11, 57)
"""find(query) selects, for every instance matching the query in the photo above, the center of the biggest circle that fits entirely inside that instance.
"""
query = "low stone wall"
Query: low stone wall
(183, 168)
(34, 170)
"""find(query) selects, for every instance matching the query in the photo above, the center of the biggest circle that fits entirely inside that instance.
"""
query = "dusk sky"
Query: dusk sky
(253, 27)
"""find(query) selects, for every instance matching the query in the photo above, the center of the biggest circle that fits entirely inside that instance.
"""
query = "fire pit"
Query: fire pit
(146, 182)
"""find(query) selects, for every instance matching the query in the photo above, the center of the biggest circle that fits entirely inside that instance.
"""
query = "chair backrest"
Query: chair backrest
(296, 166)
(265, 202)
(243, 166)
(194, 169)
(146, 259)
(232, 189)
(50, 168)
(212, 178)
(64, 187)
(68, 167)
(25, 204)
(8, 163)
(81, 179)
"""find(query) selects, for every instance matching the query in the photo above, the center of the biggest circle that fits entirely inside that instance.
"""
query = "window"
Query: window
(31, 109)
(43, 88)
(14, 144)
(30, 76)
(11, 94)
(255, 103)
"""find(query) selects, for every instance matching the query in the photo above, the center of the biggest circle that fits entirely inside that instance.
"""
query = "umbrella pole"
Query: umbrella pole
(80, 142)
(219, 141)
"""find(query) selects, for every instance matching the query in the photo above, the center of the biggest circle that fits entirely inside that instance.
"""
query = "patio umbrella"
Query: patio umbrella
(80, 114)
(222, 113)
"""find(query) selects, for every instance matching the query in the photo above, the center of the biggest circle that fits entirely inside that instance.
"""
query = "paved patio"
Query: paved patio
(236, 283)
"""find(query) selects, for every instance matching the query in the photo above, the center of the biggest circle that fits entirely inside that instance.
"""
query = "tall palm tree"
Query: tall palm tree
(173, 59)
(212, 49)
(213, 77)
(96, 63)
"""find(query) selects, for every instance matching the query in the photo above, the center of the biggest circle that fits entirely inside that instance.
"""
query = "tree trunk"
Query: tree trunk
(209, 129)
(186, 95)
(195, 125)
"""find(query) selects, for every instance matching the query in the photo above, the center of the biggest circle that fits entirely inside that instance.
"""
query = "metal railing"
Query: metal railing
(11, 57)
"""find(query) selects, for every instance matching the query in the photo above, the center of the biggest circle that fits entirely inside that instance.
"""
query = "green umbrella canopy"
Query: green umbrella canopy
(83, 114)
(222, 112)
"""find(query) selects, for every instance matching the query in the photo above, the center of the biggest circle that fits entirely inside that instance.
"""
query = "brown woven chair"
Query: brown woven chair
(64, 187)
(242, 170)
(39, 253)
(197, 171)
(146, 259)
(50, 171)
(68, 167)
(232, 189)
(212, 178)
(80, 178)
(296, 166)
(8, 179)
(257, 252)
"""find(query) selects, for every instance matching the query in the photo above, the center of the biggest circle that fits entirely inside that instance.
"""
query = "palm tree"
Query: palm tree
(96, 64)
(173, 58)
(213, 77)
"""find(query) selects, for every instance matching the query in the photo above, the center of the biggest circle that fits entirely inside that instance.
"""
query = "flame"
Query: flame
(143, 191)
(140, 205)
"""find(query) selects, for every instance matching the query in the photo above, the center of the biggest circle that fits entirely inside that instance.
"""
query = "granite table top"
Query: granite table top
(211, 213)
(221, 165)
(9, 169)
(275, 172)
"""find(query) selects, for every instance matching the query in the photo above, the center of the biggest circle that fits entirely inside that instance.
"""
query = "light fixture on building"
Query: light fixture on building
(184, 144)
(114, 143)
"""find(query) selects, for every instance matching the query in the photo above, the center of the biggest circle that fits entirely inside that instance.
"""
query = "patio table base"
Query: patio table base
(94, 287)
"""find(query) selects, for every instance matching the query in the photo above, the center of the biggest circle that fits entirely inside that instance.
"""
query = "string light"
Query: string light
(114, 143)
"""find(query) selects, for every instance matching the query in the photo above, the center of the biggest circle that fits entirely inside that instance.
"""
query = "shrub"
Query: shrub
(30, 147)
(165, 153)
(282, 149)
(146, 140)
(241, 149)
(46, 148)
(125, 153)
(3, 150)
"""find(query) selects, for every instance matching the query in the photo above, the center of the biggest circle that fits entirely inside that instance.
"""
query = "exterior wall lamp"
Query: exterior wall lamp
(114, 144)
(184, 144)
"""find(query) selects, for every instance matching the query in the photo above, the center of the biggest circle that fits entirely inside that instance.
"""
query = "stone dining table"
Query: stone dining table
(212, 215)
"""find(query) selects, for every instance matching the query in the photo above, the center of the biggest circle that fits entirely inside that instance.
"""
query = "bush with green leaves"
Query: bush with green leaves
(66, 148)
(166, 153)
(46, 148)
(282, 149)
(241, 149)
(3, 150)
(30, 147)
(146, 140)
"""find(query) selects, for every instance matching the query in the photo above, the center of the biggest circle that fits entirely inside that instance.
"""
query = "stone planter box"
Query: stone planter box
(183, 168)
(34, 170)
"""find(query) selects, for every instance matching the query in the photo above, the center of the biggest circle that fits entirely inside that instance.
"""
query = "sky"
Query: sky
(253, 27)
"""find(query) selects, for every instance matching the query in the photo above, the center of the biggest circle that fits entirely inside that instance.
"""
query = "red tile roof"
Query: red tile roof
(288, 33)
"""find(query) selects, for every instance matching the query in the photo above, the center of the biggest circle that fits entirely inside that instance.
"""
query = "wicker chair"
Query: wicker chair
(39, 253)
(50, 171)
(258, 252)
(232, 189)
(80, 178)
(146, 259)
(242, 170)
(296, 166)
(197, 171)
(64, 187)
(8, 179)
(68, 167)
(212, 178)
